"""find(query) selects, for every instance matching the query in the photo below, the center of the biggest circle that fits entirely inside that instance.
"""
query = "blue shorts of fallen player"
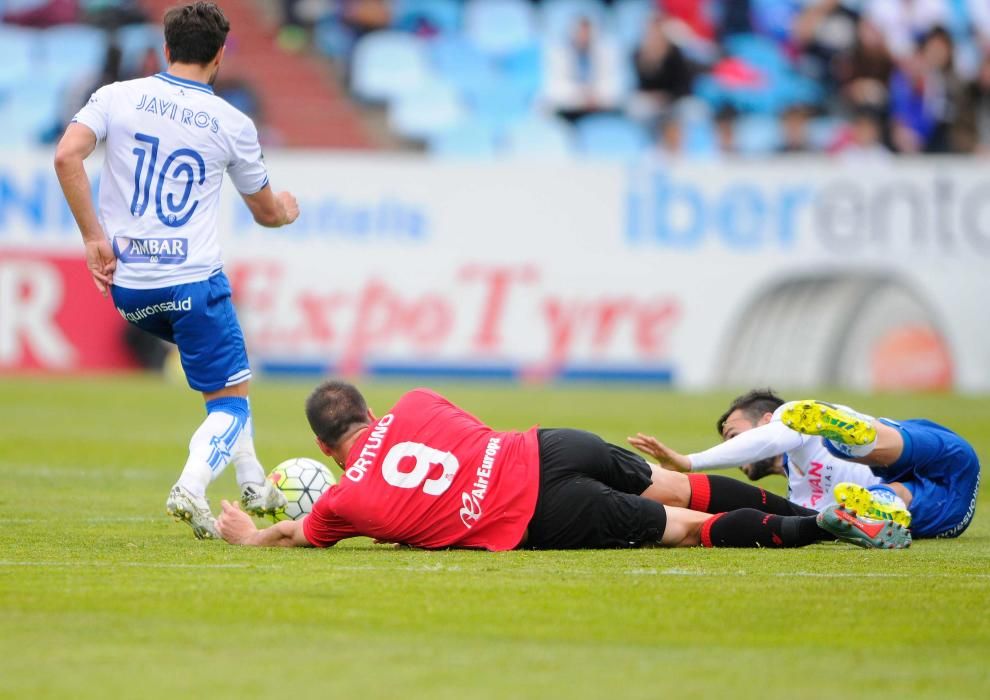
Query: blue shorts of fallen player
(199, 318)
(942, 472)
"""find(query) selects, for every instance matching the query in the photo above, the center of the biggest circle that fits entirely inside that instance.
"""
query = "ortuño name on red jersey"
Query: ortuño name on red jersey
(429, 474)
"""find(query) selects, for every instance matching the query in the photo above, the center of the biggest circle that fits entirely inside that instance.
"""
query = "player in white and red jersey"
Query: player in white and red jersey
(428, 474)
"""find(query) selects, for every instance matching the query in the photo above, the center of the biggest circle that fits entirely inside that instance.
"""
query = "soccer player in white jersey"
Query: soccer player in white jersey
(153, 246)
(877, 467)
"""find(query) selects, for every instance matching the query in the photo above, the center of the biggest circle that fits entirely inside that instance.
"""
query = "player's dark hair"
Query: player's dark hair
(753, 404)
(195, 33)
(333, 409)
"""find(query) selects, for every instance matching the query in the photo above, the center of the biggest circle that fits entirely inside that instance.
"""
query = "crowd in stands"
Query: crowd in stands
(696, 77)
(620, 78)
(55, 53)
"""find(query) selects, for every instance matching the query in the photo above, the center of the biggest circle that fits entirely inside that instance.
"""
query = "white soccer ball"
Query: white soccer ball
(302, 480)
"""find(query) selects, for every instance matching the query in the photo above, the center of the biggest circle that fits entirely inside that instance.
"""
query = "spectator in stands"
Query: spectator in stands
(864, 72)
(971, 131)
(903, 22)
(823, 30)
(924, 97)
(725, 130)
(670, 135)
(794, 129)
(662, 73)
(863, 140)
(583, 74)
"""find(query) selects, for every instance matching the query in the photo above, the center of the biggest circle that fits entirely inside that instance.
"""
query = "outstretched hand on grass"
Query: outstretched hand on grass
(666, 457)
(233, 524)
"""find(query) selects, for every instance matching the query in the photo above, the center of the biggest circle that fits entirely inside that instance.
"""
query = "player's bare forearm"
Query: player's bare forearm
(76, 145)
(236, 527)
(272, 210)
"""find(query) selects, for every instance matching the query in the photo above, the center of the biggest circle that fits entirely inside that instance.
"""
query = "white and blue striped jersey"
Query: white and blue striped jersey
(168, 143)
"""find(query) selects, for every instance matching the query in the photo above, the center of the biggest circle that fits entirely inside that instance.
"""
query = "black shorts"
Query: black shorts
(589, 495)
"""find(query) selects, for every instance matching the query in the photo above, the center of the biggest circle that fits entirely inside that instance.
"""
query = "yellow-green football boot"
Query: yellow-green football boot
(839, 425)
(876, 502)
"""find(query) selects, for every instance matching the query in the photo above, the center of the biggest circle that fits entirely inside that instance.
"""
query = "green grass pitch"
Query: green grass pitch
(102, 596)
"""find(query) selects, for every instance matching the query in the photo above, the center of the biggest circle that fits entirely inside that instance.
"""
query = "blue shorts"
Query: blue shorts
(942, 472)
(199, 318)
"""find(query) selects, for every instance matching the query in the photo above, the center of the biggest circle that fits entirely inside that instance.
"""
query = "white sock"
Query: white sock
(210, 449)
(249, 469)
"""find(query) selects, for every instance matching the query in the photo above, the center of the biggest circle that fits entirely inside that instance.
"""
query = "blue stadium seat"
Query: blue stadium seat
(30, 110)
(443, 16)
(73, 50)
(524, 67)
(629, 17)
(499, 102)
(20, 54)
(471, 139)
(559, 16)
(460, 62)
(539, 136)
(387, 65)
(429, 111)
(757, 134)
(499, 26)
(610, 136)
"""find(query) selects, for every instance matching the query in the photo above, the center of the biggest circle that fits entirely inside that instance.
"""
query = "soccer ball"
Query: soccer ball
(302, 481)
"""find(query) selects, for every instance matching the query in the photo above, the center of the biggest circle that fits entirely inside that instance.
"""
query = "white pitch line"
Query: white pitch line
(105, 519)
(134, 564)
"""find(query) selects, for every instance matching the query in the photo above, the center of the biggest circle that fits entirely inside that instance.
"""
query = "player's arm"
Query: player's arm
(76, 145)
(270, 209)
(761, 442)
(237, 527)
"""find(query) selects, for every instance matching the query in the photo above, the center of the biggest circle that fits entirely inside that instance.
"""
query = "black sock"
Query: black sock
(718, 494)
(752, 528)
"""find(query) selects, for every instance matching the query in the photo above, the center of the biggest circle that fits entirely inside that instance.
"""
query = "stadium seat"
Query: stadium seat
(30, 110)
(524, 67)
(73, 50)
(757, 134)
(629, 17)
(440, 16)
(460, 63)
(557, 17)
(610, 136)
(388, 64)
(20, 54)
(499, 26)
(499, 102)
(429, 111)
(472, 139)
(539, 136)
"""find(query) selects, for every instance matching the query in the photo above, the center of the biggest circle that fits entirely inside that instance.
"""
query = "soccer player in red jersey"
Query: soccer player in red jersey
(428, 474)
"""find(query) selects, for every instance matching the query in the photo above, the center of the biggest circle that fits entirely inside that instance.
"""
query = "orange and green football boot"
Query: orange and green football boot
(869, 534)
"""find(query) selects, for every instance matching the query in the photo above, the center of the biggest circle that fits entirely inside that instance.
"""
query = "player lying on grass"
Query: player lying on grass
(914, 471)
(430, 475)
(154, 246)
